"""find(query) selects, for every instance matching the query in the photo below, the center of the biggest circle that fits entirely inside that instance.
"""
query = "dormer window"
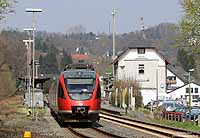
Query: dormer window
(141, 50)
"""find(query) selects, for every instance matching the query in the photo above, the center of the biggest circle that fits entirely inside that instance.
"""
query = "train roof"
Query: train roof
(79, 73)
(79, 66)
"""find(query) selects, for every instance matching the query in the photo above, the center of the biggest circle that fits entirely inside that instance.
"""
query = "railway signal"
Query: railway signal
(108, 84)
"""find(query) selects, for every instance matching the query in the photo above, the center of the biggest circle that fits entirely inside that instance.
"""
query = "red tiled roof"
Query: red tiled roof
(80, 56)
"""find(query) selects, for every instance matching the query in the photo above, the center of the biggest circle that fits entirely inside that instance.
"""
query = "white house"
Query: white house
(183, 92)
(145, 65)
(175, 77)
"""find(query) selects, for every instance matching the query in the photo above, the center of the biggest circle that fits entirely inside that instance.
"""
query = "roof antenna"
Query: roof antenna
(142, 27)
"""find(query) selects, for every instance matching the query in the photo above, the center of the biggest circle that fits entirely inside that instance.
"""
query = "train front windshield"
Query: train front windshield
(80, 88)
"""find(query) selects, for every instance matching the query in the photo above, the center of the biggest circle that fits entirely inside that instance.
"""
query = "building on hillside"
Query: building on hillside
(145, 65)
(80, 58)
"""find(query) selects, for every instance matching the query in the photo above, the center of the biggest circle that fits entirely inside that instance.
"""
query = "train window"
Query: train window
(98, 91)
(61, 92)
(80, 85)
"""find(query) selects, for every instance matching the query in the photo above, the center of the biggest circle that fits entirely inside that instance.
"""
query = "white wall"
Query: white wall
(154, 69)
(131, 54)
(179, 82)
(148, 95)
(182, 91)
(154, 77)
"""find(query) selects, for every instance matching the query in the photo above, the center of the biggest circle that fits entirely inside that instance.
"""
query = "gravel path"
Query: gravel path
(14, 122)
(91, 133)
(123, 131)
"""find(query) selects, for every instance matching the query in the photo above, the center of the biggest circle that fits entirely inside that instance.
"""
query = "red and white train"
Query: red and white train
(76, 94)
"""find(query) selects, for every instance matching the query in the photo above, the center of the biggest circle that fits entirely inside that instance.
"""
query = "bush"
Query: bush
(143, 110)
(123, 86)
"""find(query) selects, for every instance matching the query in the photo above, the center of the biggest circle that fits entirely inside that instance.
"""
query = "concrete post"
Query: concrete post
(116, 95)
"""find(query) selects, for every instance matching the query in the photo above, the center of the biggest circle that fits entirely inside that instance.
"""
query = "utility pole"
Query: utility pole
(28, 75)
(113, 27)
(109, 32)
(189, 77)
(33, 55)
(157, 88)
(142, 27)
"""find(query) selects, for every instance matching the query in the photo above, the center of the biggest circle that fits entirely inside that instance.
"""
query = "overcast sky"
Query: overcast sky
(95, 15)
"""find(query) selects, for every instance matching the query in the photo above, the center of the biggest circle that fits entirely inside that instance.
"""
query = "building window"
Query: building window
(141, 69)
(187, 90)
(171, 77)
(196, 90)
(191, 90)
(141, 50)
(186, 96)
(195, 96)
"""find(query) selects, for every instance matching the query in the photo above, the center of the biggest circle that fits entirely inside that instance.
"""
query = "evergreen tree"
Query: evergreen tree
(66, 60)
(186, 59)
(44, 47)
(38, 43)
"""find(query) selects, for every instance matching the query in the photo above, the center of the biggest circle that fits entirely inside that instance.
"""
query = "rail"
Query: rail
(150, 127)
(93, 128)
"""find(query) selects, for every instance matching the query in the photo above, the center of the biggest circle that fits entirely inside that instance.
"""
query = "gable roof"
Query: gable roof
(79, 56)
(178, 71)
(139, 46)
(182, 86)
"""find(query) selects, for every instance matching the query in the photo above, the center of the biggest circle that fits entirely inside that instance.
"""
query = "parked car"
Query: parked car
(168, 105)
(151, 105)
(192, 115)
(176, 114)
(171, 105)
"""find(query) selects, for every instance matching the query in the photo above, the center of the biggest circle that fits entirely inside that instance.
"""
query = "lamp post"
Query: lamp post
(113, 28)
(190, 70)
(34, 11)
(28, 69)
(29, 41)
(156, 88)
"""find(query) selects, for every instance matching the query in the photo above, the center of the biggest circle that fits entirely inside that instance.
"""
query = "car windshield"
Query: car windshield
(83, 85)
(181, 110)
(172, 105)
(195, 110)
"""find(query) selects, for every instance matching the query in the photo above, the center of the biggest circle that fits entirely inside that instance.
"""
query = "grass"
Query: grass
(183, 125)
(176, 124)
(145, 111)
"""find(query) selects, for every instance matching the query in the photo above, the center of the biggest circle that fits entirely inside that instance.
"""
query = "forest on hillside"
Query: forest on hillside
(54, 50)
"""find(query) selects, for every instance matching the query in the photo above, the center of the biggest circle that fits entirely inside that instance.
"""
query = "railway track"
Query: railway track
(153, 129)
(92, 132)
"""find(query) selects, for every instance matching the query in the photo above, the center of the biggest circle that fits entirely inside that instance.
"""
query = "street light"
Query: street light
(29, 41)
(190, 70)
(33, 55)
(28, 71)
(113, 26)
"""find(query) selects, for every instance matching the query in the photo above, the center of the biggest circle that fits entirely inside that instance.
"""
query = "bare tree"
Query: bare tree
(76, 29)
